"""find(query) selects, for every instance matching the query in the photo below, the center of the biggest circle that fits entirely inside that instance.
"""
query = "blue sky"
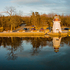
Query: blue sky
(42, 6)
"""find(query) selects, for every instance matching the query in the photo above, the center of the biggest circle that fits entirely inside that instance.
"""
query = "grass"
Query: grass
(31, 34)
(26, 34)
(57, 34)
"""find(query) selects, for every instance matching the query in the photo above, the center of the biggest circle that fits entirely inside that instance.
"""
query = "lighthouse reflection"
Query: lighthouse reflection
(56, 43)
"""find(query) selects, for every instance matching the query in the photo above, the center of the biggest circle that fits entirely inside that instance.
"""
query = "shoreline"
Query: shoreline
(32, 34)
(21, 34)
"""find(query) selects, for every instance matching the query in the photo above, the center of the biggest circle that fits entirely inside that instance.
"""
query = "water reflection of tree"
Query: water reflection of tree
(11, 55)
(11, 44)
(14, 43)
(65, 40)
(11, 41)
(38, 42)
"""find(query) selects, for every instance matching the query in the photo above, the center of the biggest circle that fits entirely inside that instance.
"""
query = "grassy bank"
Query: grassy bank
(57, 34)
(32, 34)
(20, 34)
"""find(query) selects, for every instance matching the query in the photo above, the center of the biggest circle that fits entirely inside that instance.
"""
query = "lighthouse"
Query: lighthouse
(56, 25)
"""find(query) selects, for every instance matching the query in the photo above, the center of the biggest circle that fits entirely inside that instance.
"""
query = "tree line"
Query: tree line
(11, 22)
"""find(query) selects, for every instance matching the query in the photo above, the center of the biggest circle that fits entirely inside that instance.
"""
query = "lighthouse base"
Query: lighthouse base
(56, 27)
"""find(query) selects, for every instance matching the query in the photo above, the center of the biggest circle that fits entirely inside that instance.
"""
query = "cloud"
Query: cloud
(25, 1)
(56, 6)
(33, 2)
(51, 3)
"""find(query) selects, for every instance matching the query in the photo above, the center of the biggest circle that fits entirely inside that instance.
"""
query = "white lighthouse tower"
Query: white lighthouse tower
(56, 25)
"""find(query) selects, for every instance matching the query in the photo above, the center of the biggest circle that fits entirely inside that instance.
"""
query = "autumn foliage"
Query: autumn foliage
(14, 21)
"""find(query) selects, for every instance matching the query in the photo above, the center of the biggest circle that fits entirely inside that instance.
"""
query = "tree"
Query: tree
(43, 19)
(10, 11)
(68, 20)
(35, 19)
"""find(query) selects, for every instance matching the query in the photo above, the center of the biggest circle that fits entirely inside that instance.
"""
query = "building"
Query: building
(56, 25)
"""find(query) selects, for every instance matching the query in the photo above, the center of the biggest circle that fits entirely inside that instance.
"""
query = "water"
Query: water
(39, 53)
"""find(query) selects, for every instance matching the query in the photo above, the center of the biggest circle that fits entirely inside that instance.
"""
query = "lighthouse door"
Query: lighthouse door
(57, 30)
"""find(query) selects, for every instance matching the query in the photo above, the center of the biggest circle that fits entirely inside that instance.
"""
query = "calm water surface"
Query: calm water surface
(34, 53)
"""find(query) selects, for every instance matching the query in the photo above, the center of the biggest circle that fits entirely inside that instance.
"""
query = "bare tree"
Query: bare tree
(10, 11)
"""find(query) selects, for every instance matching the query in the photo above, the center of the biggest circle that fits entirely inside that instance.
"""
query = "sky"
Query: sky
(26, 7)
